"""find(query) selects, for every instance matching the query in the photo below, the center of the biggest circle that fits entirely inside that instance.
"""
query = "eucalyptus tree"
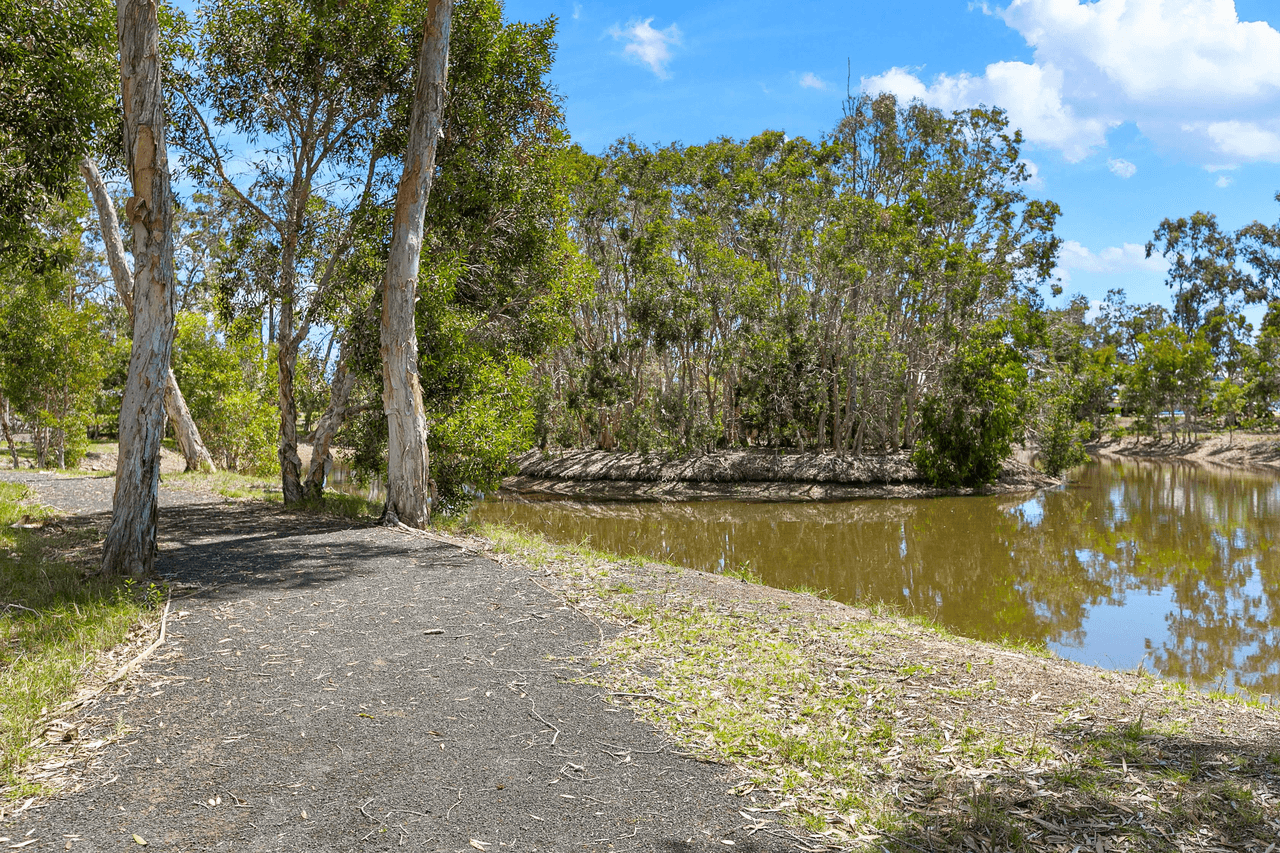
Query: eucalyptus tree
(1203, 270)
(783, 292)
(310, 89)
(131, 538)
(497, 272)
(194, 452)
(408, 471)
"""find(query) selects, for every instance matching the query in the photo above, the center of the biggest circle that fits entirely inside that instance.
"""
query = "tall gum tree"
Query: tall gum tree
(131, 538)
(308, 89)
(193, 449)
(408, 472)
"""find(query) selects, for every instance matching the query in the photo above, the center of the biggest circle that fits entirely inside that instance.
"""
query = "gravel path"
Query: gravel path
(329, 686)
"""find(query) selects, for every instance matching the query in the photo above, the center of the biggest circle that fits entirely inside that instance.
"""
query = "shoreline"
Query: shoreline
(1241, 451)
(751, 475)
(867, 729)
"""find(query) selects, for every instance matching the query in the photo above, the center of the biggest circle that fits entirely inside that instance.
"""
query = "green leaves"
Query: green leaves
(785, 292)
(968, 425)
(56, 100)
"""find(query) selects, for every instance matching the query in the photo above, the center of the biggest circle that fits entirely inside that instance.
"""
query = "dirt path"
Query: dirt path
(340, 688)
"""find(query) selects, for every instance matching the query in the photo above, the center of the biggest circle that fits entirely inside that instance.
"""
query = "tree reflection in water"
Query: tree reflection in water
(1179, 556)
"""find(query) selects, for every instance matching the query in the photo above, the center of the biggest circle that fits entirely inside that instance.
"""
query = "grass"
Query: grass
(54, 623)
(893, 730)
(27, 458)
(229, 484)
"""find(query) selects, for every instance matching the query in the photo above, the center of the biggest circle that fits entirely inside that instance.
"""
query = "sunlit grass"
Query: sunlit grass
(873, 727)
(248, 487)
(54, 621)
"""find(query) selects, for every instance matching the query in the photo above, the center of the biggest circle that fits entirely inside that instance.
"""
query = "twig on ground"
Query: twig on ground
(146, 653)
(581, 612)
(454, 806)
(18, 607)
(533, 712)
(641, 696)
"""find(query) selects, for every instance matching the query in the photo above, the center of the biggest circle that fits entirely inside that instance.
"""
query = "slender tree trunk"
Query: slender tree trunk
(131, 539)
(193, 449)
(287, 360)
(408, 472)
(8, 432)
(329, 424)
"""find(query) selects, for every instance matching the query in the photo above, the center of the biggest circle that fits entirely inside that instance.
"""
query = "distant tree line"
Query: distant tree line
(880, 290)
(829, 296)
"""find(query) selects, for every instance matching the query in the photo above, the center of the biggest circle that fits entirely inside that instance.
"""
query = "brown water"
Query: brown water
(1164, 564)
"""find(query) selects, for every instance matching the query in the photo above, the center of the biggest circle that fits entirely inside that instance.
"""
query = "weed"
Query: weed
(743, 572)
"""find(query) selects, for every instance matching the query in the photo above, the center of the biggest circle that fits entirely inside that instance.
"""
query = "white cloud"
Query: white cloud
(1244, 140)
(1122, 168)
(1031, 94)
(648, 46)
(577, 11)
(1189, 73)
(1075, 257)
(813, 81)
(1196, 51)
(1224, 181)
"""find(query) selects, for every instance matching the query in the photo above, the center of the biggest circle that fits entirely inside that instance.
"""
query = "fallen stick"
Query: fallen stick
(146, 653)
(124, 670)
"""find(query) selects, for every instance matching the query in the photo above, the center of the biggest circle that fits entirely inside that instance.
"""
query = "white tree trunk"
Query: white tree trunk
(408, 472)
(131, 539)
(190, 443)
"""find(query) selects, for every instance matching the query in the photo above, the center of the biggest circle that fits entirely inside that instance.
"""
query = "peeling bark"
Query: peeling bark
(408, 472)
(193, 449)
(131, 539)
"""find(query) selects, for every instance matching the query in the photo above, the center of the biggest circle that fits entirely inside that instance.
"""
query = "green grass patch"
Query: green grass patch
(54, 622)
(229, 484)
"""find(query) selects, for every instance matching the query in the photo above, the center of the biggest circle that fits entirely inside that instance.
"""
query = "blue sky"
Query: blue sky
(1134, 110)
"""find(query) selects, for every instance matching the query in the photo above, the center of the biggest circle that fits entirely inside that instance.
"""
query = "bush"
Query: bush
(51, 364)
(1062, 437)
(231, 391)
(968, 426)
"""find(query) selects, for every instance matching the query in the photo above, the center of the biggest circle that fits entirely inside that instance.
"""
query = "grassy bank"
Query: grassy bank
(55, 623)
(856, 729)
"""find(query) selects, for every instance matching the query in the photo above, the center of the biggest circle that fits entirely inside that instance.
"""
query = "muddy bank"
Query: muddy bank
(738, 475)
(1242, 450)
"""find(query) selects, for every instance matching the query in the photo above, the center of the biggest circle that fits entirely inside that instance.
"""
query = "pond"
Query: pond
(1166, 565)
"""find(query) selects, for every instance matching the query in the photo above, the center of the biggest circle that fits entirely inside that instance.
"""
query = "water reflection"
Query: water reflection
(1169, 565)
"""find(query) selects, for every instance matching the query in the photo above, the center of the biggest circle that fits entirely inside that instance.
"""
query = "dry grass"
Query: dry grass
(868, 731)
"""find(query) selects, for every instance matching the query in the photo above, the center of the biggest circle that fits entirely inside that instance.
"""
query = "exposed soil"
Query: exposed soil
(333, 687)
(739, 474)
(98, 459)
(1241, 450)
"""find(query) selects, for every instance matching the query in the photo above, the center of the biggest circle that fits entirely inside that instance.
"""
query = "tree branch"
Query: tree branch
(215, 159)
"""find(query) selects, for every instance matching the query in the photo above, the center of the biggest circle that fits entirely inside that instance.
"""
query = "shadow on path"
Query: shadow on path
(334, 686)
